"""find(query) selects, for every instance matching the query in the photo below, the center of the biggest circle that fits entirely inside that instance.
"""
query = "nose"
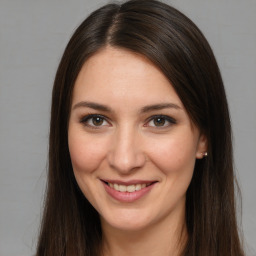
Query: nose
(126, 152)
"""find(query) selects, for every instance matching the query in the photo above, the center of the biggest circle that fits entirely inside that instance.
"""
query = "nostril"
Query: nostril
(126, 162)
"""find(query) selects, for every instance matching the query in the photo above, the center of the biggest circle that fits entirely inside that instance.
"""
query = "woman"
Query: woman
(140, 156)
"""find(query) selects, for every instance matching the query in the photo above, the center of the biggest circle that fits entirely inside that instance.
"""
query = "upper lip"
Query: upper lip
(129, 182)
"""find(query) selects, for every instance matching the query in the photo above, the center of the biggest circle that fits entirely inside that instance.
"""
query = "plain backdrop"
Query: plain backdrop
(33, 34)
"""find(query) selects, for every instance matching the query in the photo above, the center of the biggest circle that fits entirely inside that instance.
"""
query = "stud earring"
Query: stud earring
(205, 154)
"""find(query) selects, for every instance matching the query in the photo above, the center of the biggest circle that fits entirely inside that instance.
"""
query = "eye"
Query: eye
(94, 121)
(161, 121)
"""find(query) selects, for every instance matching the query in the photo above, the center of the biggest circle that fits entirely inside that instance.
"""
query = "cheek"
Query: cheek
(86, 153)
(174, 155)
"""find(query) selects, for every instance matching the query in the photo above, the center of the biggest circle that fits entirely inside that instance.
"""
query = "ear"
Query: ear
(202, 147)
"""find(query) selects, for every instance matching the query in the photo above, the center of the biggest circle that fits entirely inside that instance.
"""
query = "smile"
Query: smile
(128, 191)
(130, 188)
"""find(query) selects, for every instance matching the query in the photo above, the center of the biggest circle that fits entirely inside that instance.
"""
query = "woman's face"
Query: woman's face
(132, 144)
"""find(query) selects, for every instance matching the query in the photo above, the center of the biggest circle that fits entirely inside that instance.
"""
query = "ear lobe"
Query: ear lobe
(202, 147)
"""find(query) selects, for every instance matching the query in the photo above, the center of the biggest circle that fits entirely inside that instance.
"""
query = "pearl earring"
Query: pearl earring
(205, 154)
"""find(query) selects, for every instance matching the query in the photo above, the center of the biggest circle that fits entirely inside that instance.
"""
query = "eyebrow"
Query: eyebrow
(159, 107)
(92, 105)
(145, 109)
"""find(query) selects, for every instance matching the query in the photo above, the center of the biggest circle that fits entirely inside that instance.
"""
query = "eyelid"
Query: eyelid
(169, 119)
(84, 120)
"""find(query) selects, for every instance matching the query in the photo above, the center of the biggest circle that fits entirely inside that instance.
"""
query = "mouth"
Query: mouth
(128, 188)
(128, 191)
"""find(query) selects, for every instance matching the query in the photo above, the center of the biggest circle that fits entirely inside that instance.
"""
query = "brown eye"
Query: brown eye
(94, 121)
(97, 121)
(159, 121)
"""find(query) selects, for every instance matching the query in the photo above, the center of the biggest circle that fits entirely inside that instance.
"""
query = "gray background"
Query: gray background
(33, 35)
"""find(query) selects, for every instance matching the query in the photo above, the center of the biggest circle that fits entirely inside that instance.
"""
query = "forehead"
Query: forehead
(120, 76)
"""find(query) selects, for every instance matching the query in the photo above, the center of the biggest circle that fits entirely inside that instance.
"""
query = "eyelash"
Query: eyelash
(89, 117)
(168, 119)
(86, 119)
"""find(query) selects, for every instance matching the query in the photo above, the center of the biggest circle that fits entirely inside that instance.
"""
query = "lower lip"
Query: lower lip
(127, 196)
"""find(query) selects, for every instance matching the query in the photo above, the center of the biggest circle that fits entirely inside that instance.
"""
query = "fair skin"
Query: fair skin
(133, 148)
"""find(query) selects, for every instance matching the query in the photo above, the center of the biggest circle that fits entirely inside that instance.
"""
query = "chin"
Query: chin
(127, 220)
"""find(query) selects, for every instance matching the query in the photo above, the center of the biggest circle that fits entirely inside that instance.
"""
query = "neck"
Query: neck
(163, 238)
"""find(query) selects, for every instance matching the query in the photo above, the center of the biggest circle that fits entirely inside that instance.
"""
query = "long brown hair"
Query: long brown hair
(70, 225)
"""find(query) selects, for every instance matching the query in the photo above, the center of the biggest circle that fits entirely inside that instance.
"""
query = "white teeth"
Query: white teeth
(138, 187)
(122, 188)
(130, 188)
